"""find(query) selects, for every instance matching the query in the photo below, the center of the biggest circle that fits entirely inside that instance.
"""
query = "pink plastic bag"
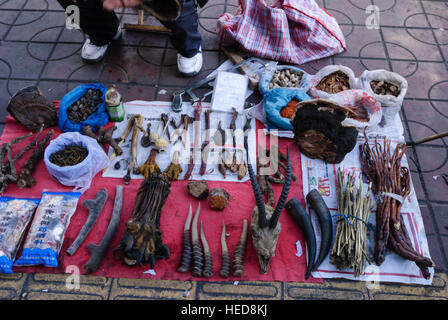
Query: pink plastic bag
(292, 31)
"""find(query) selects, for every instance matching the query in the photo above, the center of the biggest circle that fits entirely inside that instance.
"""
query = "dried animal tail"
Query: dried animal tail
(185, 262)
(208, 260)
(238, 257)
(225, 267)
(284, 195)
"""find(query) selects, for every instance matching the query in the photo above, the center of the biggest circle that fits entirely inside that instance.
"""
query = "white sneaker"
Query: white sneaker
(189, 67)
(92, 53)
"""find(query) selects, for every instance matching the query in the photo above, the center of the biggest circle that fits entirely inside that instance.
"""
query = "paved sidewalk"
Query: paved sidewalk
(36, 49)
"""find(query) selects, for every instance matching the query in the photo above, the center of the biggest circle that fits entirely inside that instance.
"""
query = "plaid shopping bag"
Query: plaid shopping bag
(291, 31)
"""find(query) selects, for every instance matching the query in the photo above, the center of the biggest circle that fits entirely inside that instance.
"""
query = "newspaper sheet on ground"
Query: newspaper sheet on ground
(151, 111)
(320, 175)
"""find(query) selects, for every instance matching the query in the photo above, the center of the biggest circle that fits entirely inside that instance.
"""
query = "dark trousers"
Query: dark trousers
(101, 25)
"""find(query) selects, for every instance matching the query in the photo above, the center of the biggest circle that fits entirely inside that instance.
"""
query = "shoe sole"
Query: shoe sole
(189, 75)
(91, 61)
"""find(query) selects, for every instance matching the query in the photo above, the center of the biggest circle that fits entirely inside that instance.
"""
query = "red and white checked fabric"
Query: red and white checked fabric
(291, 31)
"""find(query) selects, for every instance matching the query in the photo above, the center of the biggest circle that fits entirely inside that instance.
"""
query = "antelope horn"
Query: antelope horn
(185, 263)
(197, 250)
(225, 266)
(262, 221)
(208, 260)
(283, 196)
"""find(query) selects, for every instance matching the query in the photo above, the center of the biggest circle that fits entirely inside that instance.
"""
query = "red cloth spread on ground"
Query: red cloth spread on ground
(285, 266)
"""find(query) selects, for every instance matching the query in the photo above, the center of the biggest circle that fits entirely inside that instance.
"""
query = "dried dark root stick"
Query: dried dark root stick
(208, 260)
(238, 257)
(26, 179)
(185, 262)
(225, 266)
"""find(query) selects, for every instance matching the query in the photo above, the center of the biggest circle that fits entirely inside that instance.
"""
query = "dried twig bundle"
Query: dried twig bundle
(349, 249)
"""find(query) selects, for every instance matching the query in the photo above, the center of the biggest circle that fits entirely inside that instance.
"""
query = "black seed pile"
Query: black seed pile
(85, 106)
(69, 156)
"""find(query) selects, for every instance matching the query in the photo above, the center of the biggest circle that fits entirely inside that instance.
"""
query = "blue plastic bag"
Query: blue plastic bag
(95, 120)
(275, 100)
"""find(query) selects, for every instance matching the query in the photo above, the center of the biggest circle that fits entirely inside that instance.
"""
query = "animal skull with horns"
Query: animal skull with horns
(265, 228)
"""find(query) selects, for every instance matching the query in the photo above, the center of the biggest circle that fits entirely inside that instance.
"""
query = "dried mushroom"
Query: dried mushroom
(385, 88)
(334, 82)
(319, 133)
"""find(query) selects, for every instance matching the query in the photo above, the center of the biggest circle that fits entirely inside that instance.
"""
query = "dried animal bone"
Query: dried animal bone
(165, 120)
(103, 137)
(97, 252)
(26, 178)
(238, 257)
(225, 266)
(198, 256)
(265, 228)
(207, 270)
(205, 144)
(136, 123)
(234, 164)
(174, 169)
(31, 109)
(150, 166)
(185, 261)
(95, 206)
(197, 138)
(181, 134)
(219, 198)
(219, 137)
(142, 240)
(198, 189)
(145, 141)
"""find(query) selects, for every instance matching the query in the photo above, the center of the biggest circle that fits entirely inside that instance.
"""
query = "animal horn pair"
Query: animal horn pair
(262, 219)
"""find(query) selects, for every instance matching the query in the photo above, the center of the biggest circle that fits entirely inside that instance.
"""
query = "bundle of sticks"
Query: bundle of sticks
(350, 247)
(391, 185)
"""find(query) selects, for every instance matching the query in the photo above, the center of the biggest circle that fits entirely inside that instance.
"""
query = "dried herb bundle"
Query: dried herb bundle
(349, 249)
(391, 185)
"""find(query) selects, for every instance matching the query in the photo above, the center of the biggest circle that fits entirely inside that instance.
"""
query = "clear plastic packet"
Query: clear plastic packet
(46, 235)
(15, 215)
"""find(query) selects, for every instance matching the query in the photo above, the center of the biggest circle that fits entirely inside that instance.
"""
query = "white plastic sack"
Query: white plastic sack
(325, 71)
(391, 105)
(362, 102)
(79, 175)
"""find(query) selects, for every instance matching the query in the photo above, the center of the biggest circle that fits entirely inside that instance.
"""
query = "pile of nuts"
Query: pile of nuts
(288, 78)
(385, 88)
(85, 106)
(334, 82)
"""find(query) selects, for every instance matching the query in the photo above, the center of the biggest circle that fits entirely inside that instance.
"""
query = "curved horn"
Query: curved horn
(284, 195)
(262, 221)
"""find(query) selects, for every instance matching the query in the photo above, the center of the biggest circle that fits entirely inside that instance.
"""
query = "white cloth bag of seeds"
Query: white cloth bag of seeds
(391, 104)
(80, 175)
(325, 71)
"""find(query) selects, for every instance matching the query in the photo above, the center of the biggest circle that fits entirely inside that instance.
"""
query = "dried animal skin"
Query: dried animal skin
(31, 109)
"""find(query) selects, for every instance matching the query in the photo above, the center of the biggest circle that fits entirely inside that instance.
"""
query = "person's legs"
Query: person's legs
(185, 35)
(101, 27)
(186, 38)
(99, 24)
